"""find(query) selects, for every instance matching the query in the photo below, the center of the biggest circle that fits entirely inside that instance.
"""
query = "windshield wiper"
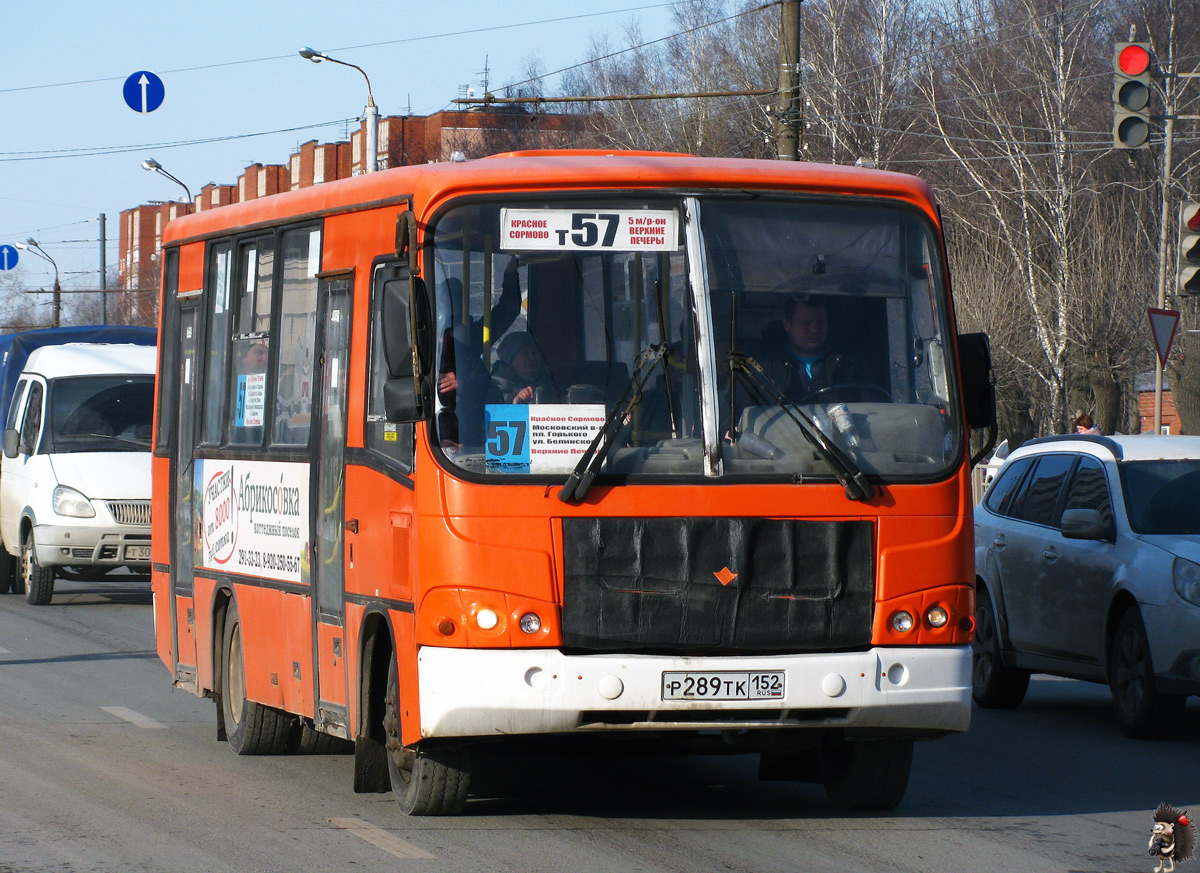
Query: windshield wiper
(847, 472)
(580, 480)
(141, 444)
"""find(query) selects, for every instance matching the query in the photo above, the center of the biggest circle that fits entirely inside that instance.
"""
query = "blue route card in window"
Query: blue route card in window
(506, 437)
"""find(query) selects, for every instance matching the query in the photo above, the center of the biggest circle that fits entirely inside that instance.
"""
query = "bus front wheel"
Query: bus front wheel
(426, 780)
(866, 775)
(251, 728)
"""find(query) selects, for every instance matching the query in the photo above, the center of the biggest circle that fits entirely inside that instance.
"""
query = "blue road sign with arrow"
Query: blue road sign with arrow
(143, 91)
(8, 257)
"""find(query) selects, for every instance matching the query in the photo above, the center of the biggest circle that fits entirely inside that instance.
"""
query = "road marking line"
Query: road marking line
(377, 836)
(132, 717)
(5, 652)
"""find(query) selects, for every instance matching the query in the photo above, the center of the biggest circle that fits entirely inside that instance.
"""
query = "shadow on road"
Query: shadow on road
(1060, 753)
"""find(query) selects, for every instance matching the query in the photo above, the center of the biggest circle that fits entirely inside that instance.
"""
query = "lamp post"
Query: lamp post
(154, 166)
(372, 112)
(32, 245)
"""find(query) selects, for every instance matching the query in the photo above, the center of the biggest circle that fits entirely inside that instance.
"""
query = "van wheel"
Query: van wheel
(251, 728)
(39, 580)
(426, 781)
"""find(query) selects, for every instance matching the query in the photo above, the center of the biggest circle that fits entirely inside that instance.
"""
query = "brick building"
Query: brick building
(402, 140)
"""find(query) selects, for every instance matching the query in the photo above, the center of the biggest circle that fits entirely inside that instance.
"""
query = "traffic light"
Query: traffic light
(1131, 95)
(1189, 249)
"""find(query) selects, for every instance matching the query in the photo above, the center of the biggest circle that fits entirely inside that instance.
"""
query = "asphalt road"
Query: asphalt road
(104, 767)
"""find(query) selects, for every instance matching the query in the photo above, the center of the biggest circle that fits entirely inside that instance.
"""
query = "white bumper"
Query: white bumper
(473, 692)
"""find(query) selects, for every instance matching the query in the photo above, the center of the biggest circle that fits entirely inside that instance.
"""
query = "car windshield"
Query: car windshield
(101, 413)
(1160, 496)
(754, 317)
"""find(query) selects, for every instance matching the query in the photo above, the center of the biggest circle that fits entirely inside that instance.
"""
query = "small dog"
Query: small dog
(1173, 837)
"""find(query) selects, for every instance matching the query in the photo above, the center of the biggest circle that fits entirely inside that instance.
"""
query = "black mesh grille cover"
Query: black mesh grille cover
(664, 584)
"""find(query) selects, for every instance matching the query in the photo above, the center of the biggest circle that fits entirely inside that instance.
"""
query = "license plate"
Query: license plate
(137, 553)
(742, 685)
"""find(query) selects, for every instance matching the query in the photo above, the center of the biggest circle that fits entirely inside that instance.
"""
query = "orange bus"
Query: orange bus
(563, 445)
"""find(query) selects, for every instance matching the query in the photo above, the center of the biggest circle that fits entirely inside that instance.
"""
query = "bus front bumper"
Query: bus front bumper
(492, 693)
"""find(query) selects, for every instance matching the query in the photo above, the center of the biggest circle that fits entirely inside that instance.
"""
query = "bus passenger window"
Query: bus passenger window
(297, 337)
(251, 342)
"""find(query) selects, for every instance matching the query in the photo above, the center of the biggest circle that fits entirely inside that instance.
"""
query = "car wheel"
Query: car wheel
(251, 728)
(39, 580)
(425, 781)
(993, 685)
(1143, 711)
(866, 775)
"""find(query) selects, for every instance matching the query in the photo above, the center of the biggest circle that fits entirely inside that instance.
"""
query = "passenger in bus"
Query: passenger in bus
(519, 374)
(804, 361)
(463, 378)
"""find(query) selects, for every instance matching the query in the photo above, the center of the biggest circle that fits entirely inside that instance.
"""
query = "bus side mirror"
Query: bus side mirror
(979, 392)
(404, 394)
(11, 437)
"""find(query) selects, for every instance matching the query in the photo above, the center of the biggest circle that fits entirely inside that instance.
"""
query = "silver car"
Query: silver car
(1087, 558)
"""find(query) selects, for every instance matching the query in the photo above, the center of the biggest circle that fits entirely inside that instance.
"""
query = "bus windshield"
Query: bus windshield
(724, 335)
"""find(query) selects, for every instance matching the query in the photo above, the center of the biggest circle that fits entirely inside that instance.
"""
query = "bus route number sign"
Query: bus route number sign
(609, 230)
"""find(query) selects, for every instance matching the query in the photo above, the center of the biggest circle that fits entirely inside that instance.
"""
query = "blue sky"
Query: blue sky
(231, 70)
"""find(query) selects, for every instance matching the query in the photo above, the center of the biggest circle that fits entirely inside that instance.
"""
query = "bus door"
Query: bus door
(183, 522)
(328, 563)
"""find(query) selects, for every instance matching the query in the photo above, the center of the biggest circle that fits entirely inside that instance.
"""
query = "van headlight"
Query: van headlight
(68, 501)
(1185, 576)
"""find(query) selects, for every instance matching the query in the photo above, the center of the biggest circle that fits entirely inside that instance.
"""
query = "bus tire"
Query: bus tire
(251, 728)
(426, 780)
(866, 775)
(8, 571)
(39, 580)
(307, 740)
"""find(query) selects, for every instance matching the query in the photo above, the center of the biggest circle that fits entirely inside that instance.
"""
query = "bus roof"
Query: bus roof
(550, 170)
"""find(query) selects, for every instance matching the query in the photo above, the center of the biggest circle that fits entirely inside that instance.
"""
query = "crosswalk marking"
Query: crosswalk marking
(377, 836)
(132, 717)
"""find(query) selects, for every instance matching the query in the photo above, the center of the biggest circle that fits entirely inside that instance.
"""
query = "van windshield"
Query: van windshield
(101, 413)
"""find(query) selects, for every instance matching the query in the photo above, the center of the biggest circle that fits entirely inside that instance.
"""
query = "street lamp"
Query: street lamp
(372, 113)
(153, 165)
(32, 245)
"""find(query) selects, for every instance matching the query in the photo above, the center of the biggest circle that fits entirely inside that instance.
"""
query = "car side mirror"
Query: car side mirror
(1085, 524)
(12, 438)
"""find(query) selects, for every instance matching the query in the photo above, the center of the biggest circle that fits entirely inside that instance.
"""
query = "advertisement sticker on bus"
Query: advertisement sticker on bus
(254, 517)
(611, 230)
(548, 438)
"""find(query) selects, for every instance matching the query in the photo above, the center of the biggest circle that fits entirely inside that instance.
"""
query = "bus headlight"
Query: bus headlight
(937, 616)
(530, 623)
(68, 501)
(902, 621)
(486, 619)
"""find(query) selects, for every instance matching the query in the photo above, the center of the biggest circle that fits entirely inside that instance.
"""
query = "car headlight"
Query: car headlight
(1185, 576)
(68, 501)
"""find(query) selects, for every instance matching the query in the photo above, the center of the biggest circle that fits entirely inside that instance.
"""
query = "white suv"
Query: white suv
(75, 478)
(1087, 558)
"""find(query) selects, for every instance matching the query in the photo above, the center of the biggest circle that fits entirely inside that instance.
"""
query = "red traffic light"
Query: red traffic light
(1133, 60)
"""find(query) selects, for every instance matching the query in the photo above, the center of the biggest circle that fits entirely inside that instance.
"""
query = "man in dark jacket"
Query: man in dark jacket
(806, 363)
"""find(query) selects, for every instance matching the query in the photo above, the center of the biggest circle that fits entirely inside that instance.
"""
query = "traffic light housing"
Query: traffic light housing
(1131, 95)
(1189, 249)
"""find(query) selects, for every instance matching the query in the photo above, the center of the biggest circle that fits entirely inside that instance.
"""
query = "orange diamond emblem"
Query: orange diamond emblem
(725, 575)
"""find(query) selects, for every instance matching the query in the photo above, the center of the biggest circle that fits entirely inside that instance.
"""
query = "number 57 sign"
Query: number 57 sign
(608, 230)
(547, 438)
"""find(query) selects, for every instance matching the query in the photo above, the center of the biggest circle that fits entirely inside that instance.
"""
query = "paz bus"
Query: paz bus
(361, 534)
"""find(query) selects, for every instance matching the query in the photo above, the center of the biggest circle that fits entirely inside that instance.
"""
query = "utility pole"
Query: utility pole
(789, 109)
(103, 274)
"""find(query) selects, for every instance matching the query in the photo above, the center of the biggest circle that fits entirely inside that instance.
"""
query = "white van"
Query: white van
(75, 477)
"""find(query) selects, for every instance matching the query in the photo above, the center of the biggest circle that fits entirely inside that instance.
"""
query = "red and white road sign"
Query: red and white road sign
(1164, 323)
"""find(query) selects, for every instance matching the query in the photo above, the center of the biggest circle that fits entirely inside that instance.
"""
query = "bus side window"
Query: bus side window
(297, 336)
(247, 401)
(393, 440)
